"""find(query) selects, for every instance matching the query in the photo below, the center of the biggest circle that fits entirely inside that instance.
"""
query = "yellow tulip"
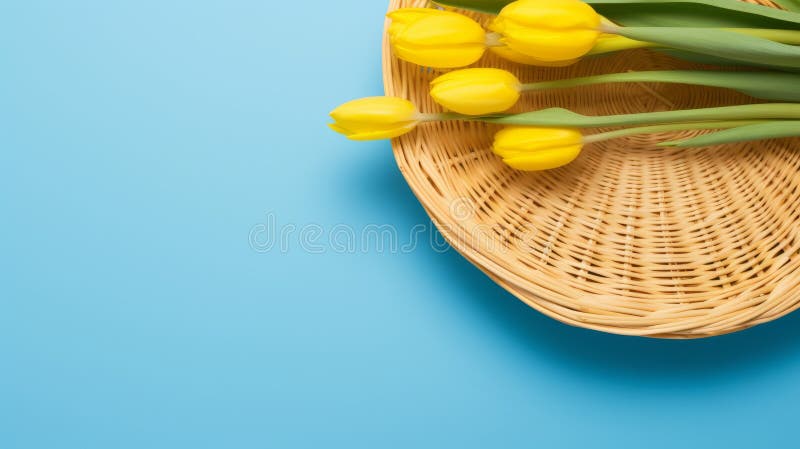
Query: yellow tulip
(532, 148)
(547, 30)
(435, 38)
(375, 118)
(477, 91)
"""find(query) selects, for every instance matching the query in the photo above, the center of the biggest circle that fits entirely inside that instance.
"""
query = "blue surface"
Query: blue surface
(144, 149)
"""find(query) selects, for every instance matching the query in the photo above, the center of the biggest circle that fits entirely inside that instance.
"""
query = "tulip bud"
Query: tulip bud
(375, 118)
(546, 30)
(476, 91)
(532, 148)
(435, 38)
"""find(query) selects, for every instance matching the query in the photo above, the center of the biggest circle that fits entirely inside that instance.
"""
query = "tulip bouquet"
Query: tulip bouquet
(758, 47)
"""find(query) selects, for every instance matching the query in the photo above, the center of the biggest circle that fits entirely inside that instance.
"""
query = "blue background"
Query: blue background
(142, 143)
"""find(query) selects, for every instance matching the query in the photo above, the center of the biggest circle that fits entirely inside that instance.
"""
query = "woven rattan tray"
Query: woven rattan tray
(630, 238)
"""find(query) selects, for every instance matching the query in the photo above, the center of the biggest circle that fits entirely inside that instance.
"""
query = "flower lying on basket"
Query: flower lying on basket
(557, 33)
(545, 32)
(375, 118)
(550, 138)
(483, 91)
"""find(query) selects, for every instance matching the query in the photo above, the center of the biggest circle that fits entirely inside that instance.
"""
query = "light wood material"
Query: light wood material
(630, 238)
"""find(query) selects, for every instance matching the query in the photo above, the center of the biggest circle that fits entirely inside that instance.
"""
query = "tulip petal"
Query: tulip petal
(445, 40)
(506, 52)
(537, 148)
(544, 159)
(375, 110)
(548, 31)
(374, 118)
(478, 91)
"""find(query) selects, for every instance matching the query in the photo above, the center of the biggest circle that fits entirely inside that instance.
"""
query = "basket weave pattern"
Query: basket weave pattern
(630, 238)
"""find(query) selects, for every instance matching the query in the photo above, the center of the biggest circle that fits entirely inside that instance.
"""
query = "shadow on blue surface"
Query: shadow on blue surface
(376, 180)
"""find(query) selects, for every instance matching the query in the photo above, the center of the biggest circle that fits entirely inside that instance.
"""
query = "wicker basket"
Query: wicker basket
(630, 238)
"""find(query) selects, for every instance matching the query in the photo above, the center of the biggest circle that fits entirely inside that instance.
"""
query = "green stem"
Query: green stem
(621, 43)
(614, 44)
(791, 37)
(780, 86)
(564, 117)
(718, 42)
(773, 129)
(599, 137)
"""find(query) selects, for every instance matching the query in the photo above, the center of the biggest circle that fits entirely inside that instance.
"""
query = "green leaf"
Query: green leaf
(565, 117)
(695, 13)
(487, 6)
(700, 59)
(720, 43)
(777, 86)
(768, 130)
(789, 5)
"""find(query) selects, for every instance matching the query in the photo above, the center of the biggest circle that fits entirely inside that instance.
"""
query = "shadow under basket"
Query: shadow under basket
(630, 238)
